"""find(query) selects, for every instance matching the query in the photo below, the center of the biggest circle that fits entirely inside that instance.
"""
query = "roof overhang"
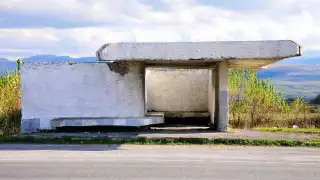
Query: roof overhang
(238, 54)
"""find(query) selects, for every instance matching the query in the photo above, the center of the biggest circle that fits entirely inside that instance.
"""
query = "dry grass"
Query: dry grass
(285, 120)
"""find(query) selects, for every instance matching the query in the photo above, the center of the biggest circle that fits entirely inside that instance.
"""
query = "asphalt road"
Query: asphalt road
(157, 162)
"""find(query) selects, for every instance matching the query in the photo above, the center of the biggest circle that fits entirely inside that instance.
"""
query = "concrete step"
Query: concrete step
(107, 121)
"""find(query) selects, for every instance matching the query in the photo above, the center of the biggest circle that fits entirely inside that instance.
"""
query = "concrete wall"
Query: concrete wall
(51, 90)
(221, 93)
(177, 90)
(91, 90)
(211, 93)
(185, 51)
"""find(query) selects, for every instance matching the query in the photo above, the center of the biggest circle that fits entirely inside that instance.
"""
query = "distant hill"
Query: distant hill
(294, 80)
(307, 58)
(4, 60)
(11, 65)
(5, 63)
(291, 72)
(53, 58)
(300, 60)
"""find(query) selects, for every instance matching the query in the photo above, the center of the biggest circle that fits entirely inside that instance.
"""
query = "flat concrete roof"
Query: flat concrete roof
(251, 53)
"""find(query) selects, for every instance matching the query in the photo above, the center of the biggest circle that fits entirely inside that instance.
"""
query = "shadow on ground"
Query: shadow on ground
(135, 131)
(171, 126)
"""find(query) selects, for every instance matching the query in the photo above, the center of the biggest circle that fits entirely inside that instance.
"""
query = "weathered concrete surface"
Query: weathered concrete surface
(157, 162)
(221, 97)
(212, 95)
(128, 121)
(186, 51)
(177, 90)
(54, 90)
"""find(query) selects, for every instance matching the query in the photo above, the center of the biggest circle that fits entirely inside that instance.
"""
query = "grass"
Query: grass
(307, 121)
(291, 130)
(157, 141)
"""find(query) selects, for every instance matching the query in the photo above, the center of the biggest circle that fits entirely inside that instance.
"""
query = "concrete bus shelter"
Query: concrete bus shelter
(137, 84)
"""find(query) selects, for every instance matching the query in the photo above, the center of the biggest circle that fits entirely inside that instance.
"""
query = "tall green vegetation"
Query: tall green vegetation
(255, 103)
(10, 101)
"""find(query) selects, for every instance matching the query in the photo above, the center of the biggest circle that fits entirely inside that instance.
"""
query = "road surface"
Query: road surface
(157, 162)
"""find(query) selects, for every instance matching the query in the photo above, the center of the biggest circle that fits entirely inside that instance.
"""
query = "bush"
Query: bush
(10, 102)
(255, 103)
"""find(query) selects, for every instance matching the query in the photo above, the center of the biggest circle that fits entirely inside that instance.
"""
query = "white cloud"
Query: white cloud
(91, 10)
(181, 20)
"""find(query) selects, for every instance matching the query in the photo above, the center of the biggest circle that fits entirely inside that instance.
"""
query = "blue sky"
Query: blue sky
(79, 27)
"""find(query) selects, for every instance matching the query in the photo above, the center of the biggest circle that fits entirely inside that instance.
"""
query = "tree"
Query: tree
(255, 102)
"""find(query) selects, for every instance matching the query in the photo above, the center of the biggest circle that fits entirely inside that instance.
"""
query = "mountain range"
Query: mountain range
(298, 76)
(11, 65)
(294, 80)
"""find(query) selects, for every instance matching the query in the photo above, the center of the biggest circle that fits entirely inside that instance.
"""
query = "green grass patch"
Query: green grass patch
(230, 129)
(291, 130)
(157, 141)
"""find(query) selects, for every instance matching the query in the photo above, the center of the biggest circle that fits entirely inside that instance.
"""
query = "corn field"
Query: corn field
(252, 103)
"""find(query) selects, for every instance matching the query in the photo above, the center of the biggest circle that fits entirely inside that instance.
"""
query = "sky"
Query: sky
(79, 27)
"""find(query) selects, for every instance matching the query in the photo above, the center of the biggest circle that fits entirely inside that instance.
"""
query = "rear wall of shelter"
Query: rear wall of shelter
(182, 90)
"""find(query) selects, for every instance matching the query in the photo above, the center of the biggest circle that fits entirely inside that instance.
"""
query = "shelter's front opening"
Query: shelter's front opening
(181, 94)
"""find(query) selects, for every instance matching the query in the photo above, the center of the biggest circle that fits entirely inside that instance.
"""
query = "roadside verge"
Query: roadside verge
(30, 139)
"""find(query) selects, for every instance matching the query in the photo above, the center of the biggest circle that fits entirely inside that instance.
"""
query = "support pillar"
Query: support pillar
(211, 95)
(221, 97)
